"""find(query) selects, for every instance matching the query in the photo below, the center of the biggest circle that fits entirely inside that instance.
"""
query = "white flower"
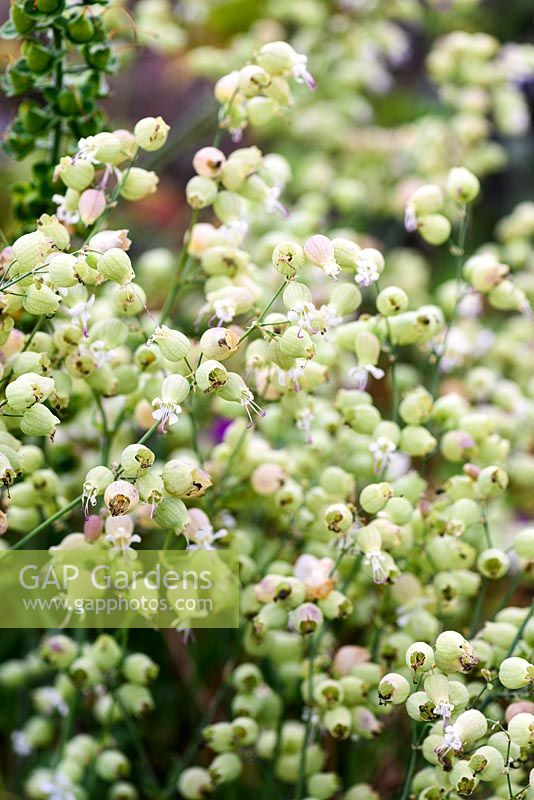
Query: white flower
(20, 743)
(49, 700)
(58, 787)
(300, 72)
(301, 313)
(375, 559)
(410, 218)
(63, 215)
(304, 421)
(224, 310)
(205, 537)
(382, 450)
(166, 412)
(360, 375)
(80, 312)
(249, 404)
(86, 149)
(119, 532)
(366, 272)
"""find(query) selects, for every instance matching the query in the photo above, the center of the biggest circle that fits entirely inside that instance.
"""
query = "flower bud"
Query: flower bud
(151, 133)
(138, 184)
(171, 513)
(346, 253)
(91, 205)
(462, 185)
(115, 265)
(173, 344)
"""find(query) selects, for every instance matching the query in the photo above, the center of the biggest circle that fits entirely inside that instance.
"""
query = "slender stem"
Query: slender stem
(459, 250)
(263, 313)
(478, 608)
(485, 523)
(520, 631)
(167, 306)
(47, 522)
(58, 128)
(299, 789)
(107, 433)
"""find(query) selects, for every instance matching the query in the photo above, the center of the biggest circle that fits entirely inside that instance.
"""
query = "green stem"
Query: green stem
(167, 306)
(299, 789)
(460, 252)
(107, 433)
(263, 313)
(47, 522)
(478, 607)
(58, 127)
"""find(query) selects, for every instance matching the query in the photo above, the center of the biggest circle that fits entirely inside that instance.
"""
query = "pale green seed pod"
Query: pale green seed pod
(200, 192)
(338, 517)
(139, 668)
(182, 479)
(28, 389)
(62, 270)
(493, 563)
(336, 605)
(524, 544)
(245, 731)
(521, 729)
(417, 441)
(115, 265)
(76, 174)
(122, 790)
(295, 342)
(399, 510)
(367, 348)
(484, 272)
(454, 653)
(487, 763)
(345, 299)
(346, 253)
(151, 133)
(138, 184)
(373, 498)
(136, 700)
(338, 722)
(391, 301)
(393, 688)
(420, 707)
(58, 650)
(323, 785)
(195, 783)
(110, 765)
(171, 513)
(41, 300)
(136, 459)
(84, 671)
(219, 737)
(31, 250)
(416, 406)
(54, 230)
(173, 344)
(39, 421)
(427, 199)
(129, 300)
(515, 673)
(106, 652)
(434, 228)
(175, 388)
(225, 768)
(219, 343)
(463, 779)
(210, 376)
(420, 657)
(462, 185)
(491, 482)
(121, 497)
(361, 791)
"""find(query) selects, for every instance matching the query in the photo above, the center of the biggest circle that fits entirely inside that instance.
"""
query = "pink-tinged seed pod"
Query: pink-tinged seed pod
(121, 497)
(307, 618)
(523, 707)
(267, 479)
(320, 251)
(91, 205)
(106, 240)
(208, 161)
(93, 527)
(348, 656)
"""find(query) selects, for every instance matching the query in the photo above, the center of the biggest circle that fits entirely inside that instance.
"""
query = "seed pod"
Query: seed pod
(151, 133)
(138, 184)
(115, 265)
(121, 497)
(110, 765)
(195, 783)
(393, 688)
(39, 421)
(515, 673)
(462, 185)
(182, 479)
